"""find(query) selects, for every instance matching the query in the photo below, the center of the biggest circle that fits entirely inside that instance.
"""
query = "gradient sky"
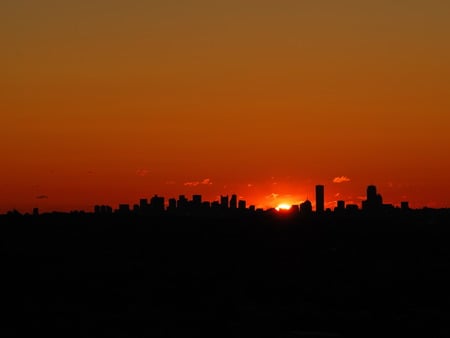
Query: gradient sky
(105, 102)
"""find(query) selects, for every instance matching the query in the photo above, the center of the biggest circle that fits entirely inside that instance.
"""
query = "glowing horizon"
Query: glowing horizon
(104, 102)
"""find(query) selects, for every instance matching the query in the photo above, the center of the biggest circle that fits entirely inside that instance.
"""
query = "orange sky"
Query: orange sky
(109, 101)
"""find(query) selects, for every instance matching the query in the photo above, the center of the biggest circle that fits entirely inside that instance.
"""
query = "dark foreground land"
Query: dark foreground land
(255, 276)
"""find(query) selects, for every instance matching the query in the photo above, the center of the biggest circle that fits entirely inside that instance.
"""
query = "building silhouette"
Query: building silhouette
(124, 208)
(295, 209)
(172, 204)
(233, 202)
(143, 203)
(372, 205)
(196, 201)
(340, 206)
(374, 201)
(242, 204)
(320, 199)
(182, 202)
(103, 209)
(306, 208)
(352, 208)
(224, 201)
(157, 203)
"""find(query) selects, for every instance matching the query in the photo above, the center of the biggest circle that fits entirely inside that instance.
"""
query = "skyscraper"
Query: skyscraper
(320, 199)
(241, 204)
(224, 201)
(157, 203)
(197, 200)
(374, 201)
(306, 208)
(233, 202)
(371, 194)
(182, 202)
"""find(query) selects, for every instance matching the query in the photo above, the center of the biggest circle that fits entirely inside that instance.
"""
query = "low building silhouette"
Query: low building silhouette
(306, 208)
(172, 204)
(340, 206)
(123, 208)
(196, 201)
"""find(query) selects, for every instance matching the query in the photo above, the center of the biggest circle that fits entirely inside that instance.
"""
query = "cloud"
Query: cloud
(273, 196)
(206, 181)
(142, 172)
(341, 179)
(41, 197)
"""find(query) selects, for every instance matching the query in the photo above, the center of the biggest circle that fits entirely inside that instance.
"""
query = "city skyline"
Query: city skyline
(318, 194)
(106, 101)
(372, 201)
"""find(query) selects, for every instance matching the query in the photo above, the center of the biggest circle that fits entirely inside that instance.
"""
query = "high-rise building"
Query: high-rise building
(143, 203)
(233, 202)
(182, 202)
(242, 204)
(197, 200)
(371, 193)
(157, 203)
(306, 207)
(320, 199)
(374, 201)
(172, 204)
(224, 201)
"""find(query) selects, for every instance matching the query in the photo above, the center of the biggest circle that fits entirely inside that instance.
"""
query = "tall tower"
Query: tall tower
(233, 202)
(224, 201)
(371, 194)
(320, 199)
(374, 201)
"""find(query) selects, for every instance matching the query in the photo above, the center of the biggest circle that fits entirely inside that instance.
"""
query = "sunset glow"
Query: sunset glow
(283, 206)
(106, 102)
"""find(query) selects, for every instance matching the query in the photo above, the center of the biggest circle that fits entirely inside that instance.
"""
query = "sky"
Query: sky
(107, 101)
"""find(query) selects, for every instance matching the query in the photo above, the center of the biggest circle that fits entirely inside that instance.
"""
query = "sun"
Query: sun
(283, 206)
